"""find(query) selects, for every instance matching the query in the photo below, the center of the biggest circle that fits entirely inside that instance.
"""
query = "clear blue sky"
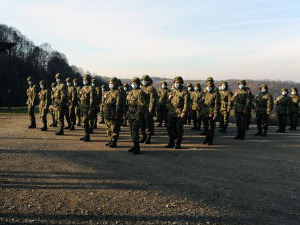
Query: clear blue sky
(251, 39)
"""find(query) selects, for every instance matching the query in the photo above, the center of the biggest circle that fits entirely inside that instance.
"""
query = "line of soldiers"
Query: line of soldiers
(138, 103)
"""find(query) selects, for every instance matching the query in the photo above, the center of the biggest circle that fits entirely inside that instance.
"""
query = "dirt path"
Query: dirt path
(48, 179)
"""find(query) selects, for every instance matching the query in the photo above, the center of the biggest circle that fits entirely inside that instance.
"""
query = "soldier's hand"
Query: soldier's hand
(170, 96)
(182, 115)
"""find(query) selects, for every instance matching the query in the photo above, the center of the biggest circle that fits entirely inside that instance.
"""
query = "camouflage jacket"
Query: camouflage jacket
(179, 102)
(32, 95)
(163, 94)
(210, 103)
(136, 99)
(283, 104)
(112, 104)
(98, 96)
(264, 103)
(151, 98)
(295, 103)
(195, 100)
(242, 99)
(45, 98)
(123, 94)
(72, 96)
(87, 97)
(78, 88)
(225, 98)
(60, 95)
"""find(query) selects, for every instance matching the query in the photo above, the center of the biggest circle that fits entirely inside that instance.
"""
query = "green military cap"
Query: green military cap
(87, 77)
(113, 79)
(178, 79)
(69, 80)
(197, 85)
(189, 85)
(136, 80)
(42, 82)
(243, 82)
(53, 85)
(294, 89)
(209, 83)
(94, 80)
(264, 86)
(58, 76)
(209, 79)
(146, 77)
(164, 82)
(284, 89)
(75, 80)
(30, 78)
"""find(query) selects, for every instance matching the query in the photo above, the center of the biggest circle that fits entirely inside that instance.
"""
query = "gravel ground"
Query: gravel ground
(48, 179)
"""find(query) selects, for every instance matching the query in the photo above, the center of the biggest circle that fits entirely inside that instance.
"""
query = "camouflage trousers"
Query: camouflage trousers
(262, 121)
(196, 118)
(175, 127)
(209, 125)
(43, 114)
(31, 113)
(78, 114)
(147, 124)
(293, 118)
(282, 120)
(85, 118)
(94, 117)
(224, 115)
(52, 112)
(134, 126)
(112, 129)
(70, 115)
(60, 116)
(162, 113)
(241, 120)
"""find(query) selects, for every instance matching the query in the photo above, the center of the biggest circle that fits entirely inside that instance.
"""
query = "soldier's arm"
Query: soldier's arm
(230, 102)
(217, 105)
(48, 98)
(74, 96)
(152, 100)
(119, 105)
(34, 95)
(186, 107)
(270, 104)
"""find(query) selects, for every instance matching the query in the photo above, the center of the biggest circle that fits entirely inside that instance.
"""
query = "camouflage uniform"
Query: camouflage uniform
(196, 107)
(32, 100)
(111, 101)
(70, 106)
(98, 103)
(44, 96)
(51, 107)
(264, 106)
(242, 107)
(147, 127)
(60, 100)
(126, 89)
(122, 93)
(103, 91)
(283, 107)
(136, 108)
(190, 89)
(87, 104)
(210, 99)
(77, 105)
(178, 106)
(225, 107)
(162, 110)
(293, 118)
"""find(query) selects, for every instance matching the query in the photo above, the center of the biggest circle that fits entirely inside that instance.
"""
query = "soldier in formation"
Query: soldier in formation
(77, 105)
(126, 89)
(71, 104)
(97, 104)
(51, 107)
(101, 116)
(283, 107)
(196, 107)
(225, 106)
(264, 107)
(162, 110)
(32, 99)
(293, 117)
(45, 99)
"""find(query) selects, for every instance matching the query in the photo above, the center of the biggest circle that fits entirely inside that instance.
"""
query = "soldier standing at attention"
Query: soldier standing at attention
(264, 107)
(225, 107)
(179, 100)
(87, 104)
(51, 107)
(32, 98)
(70, 106)
(98, 102)
(60, 100)
(162, 110)
(151, 102)
(190, 89)
(126, 89)
(111, 101)
(123, 104)
(210, 100)
(136, 108)
(195, 101)
(283, 108)
(103, 91)
(294, 109)
(44, 96)
(77, 105)
(242, 106)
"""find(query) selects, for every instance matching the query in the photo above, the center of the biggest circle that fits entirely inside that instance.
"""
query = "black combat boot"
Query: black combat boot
(91, 130)
(32, 124)
(136, 148)
(258, 133)
(55, 124)
(224, 129)
(243, 133)
(238, 135)
(171, 143)
(205, 141)
(178, 143)
(108, 143)
(113, 142)
(82, 138)
(143, 138)
(210, 140)
(147, 141)
(264, 134)
(44, 128)
(61, 131)
(86, 138)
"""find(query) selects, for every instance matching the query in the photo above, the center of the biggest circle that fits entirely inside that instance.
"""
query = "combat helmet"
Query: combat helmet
(264, 86)
(243, 82)
(284, 89)
(178, 79)
(69, 80)
(58, 76)
(294, 89)
(146, 77)
(30, 78)
(136, 80)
